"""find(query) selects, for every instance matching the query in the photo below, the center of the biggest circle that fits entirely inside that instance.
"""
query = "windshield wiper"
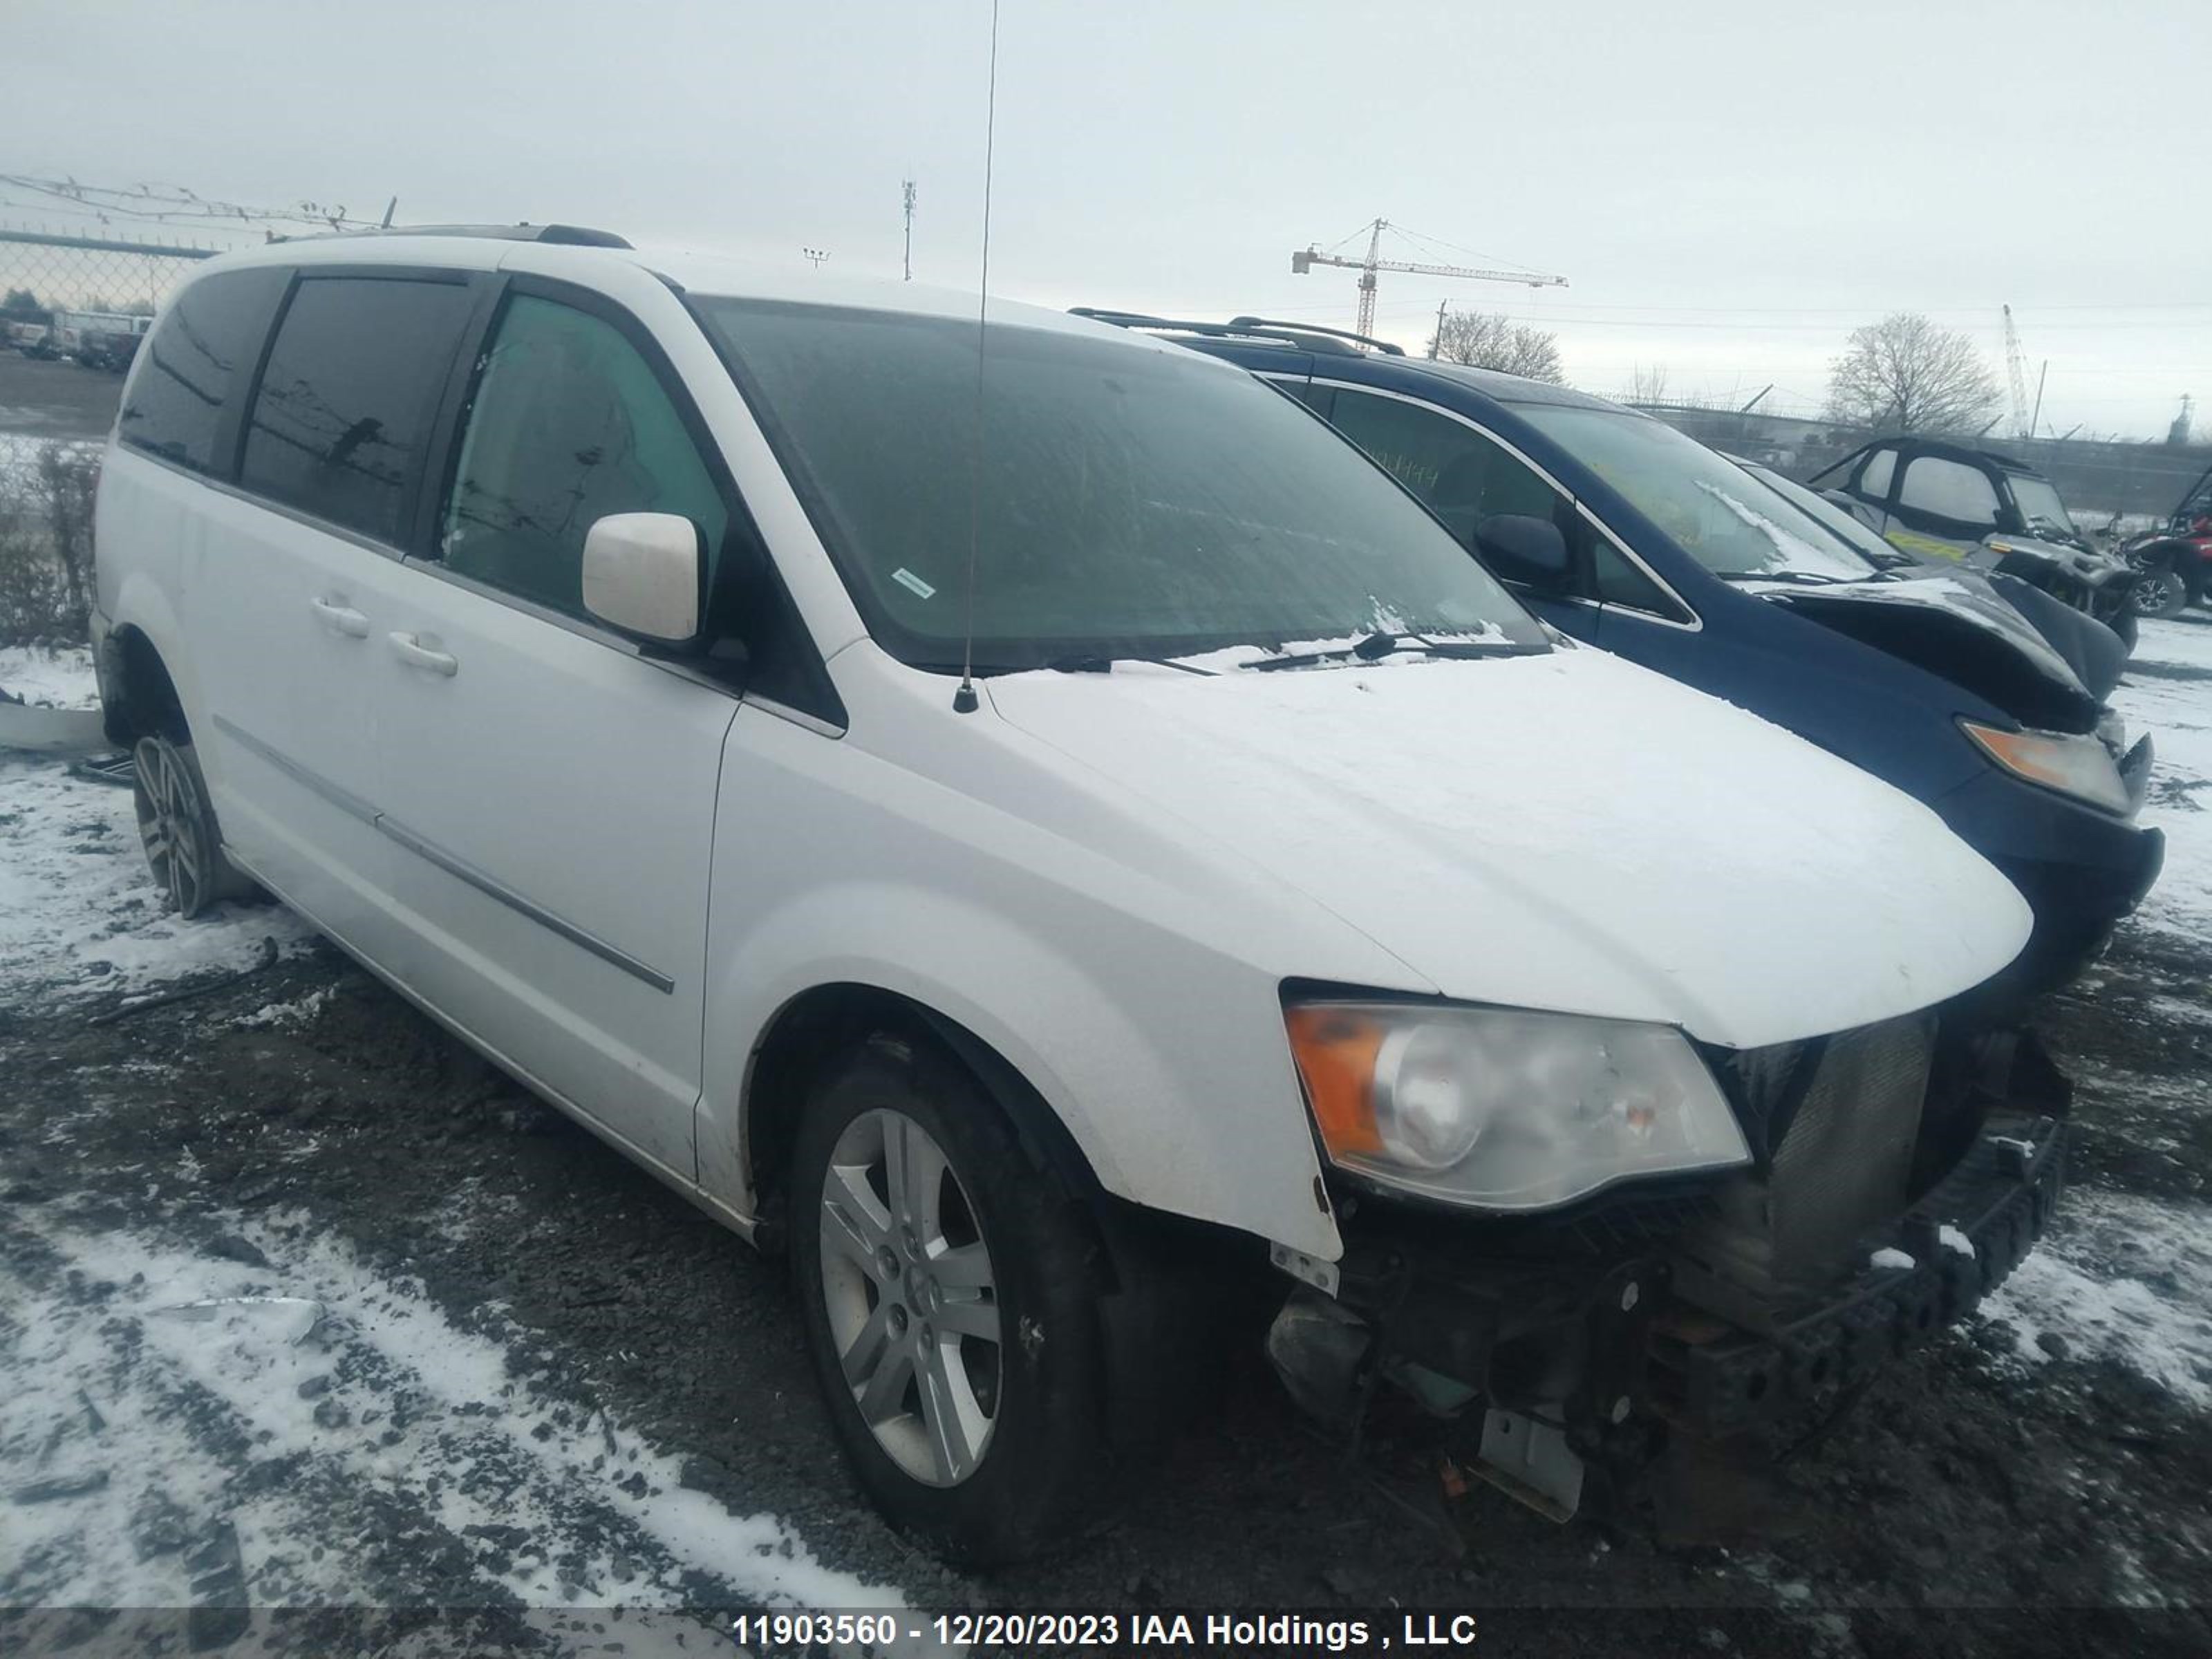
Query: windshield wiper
(1380, 644)
(1803, 578)
(1091, 662)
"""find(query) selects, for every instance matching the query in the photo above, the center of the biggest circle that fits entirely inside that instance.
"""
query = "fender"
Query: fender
(1224, 1138)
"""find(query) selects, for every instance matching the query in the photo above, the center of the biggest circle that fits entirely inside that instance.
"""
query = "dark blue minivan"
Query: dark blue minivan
(1621, 531)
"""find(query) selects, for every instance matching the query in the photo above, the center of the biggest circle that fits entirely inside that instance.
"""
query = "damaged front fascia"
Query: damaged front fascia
(1945, 628)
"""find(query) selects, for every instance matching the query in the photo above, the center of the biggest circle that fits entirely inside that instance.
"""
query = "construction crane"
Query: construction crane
(1309, 256)
(2023, 424)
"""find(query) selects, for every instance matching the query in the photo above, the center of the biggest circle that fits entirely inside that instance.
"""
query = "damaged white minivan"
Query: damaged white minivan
(1028, 822)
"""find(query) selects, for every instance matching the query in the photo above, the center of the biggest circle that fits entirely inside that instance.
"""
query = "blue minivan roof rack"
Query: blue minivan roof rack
(1312, 336)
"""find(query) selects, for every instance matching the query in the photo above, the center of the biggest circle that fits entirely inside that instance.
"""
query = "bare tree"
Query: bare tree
(1647, 385)
(1483, 340)
(1905, 373)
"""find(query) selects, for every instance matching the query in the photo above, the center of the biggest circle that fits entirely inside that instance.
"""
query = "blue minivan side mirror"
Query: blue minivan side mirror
(1523, 549)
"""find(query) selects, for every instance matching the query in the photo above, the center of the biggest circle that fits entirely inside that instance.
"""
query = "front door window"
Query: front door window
(569, 425)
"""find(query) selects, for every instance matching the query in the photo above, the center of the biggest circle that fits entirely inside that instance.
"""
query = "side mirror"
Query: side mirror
(1523, 549)
(641, 574)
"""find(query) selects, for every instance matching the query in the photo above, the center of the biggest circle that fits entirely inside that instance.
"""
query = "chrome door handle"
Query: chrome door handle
(413, 651)
(340, 617)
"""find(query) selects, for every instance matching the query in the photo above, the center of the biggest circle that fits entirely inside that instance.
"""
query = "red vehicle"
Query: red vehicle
(2176, 562)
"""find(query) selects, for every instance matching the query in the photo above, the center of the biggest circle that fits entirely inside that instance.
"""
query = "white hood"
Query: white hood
(1564, 831)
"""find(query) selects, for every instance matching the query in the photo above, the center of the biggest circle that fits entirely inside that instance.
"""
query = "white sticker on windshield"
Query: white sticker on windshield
(906, 578)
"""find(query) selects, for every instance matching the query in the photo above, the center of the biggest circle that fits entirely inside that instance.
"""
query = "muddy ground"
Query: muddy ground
(2035, 1482)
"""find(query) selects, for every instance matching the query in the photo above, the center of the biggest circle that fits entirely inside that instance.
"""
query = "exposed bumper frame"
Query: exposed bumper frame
(1716, 1380)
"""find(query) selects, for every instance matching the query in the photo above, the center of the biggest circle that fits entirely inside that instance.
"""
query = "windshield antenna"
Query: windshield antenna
(963, 700)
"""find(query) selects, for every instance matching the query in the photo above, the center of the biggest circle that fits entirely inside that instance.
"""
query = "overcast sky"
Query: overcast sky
(1730, 189)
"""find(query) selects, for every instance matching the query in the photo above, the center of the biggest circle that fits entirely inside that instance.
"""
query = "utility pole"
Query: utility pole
(909, 188)
(1437, 340)
(817, 255)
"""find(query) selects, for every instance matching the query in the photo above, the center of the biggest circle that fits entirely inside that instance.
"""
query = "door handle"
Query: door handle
(340, 617)
(411, 650)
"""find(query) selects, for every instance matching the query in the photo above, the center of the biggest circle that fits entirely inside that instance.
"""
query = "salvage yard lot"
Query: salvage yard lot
(303, 1306)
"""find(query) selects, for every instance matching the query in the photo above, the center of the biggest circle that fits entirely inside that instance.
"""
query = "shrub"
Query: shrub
(45, 542)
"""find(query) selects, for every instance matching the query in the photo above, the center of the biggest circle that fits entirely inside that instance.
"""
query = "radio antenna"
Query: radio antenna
(963, 700)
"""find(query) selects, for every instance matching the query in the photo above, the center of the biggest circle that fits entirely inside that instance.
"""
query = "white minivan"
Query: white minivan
(1026, 820)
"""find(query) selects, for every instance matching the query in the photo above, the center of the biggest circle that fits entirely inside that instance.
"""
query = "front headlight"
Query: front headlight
(2080, 766)
(1503, 1109)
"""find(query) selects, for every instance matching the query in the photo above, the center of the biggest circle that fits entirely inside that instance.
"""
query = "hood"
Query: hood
(1563, 831)
(1954, 624)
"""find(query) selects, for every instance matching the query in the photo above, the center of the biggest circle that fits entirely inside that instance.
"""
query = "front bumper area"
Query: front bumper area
(1962, 1239)
(1601, 1335)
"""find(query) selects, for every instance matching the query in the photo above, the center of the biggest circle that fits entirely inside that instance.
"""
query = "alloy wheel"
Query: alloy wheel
(2154, 593)
(912, 1300)
(171, 825)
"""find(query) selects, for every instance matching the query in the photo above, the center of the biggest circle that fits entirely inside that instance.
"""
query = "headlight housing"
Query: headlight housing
(1505, 1108)
(2076, 765)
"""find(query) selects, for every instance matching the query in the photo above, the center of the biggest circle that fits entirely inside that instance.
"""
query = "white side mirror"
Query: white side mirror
(641, 574)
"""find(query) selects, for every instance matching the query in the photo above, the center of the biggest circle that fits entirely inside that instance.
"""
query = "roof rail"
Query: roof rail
(1384, 346)
(558, 236)
(1313, 339)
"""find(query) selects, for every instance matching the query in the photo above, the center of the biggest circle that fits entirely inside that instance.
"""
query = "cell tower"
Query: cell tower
(909, 188)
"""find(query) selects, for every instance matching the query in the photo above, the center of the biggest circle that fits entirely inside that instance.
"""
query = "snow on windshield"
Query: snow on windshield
(1721, 516)
(1792, 552)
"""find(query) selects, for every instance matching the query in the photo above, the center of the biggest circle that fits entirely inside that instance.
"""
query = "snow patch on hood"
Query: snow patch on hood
(1562, 831)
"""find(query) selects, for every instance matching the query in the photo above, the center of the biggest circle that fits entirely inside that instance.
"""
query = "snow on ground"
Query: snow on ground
(2121, 1278)
(149, 1393)
(80, 913)
(2167, 692)
(60, 676)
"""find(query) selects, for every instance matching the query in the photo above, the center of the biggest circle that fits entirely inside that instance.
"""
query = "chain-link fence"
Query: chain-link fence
(43, 273)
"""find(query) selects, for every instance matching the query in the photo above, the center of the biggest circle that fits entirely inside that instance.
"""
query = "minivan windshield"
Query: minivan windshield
(1126, 500)
(1721, 516)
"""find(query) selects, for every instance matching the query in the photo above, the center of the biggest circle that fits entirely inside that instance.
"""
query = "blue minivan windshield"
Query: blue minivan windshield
(1711, 508)
(1125, 500)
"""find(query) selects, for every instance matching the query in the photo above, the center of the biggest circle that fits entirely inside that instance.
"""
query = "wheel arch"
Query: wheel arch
(139, 696)
(813, 1028)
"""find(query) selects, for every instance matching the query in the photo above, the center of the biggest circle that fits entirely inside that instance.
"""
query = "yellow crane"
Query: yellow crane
(1305, 259)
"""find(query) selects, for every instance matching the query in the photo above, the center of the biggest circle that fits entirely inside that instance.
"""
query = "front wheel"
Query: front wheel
(949, 1286)
(2159, 591)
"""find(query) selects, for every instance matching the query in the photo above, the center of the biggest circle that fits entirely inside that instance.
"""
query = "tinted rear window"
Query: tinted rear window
(196, 361)
(346, 402)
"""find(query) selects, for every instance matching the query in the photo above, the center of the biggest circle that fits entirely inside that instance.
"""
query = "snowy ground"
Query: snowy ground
(59, 677)
(302, 1307)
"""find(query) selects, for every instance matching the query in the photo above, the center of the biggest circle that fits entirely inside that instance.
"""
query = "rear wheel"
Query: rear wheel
(177, 826)
(948, 1285)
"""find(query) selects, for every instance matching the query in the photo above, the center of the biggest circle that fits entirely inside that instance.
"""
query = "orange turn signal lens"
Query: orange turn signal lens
(1335, 1050)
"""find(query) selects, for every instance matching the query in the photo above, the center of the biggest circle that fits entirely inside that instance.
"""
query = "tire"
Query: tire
(2159, 592)
(1000, 1455)
(177, 827)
